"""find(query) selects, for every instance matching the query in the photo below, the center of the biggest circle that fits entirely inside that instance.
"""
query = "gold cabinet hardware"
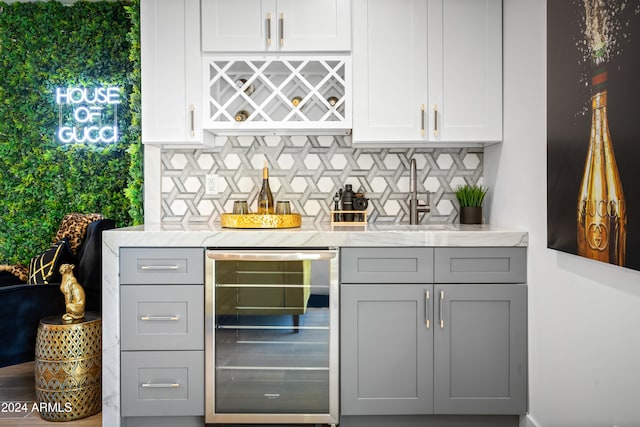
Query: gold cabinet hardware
(269, 29)
(282, 29)
(435, 120)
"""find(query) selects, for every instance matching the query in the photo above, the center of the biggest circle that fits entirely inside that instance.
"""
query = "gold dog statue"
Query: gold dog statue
(74, 298)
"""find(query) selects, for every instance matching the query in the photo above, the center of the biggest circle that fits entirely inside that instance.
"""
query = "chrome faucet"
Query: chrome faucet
(414, 205)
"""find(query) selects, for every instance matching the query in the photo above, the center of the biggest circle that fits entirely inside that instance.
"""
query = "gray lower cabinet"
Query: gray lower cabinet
(162, 336)
(433, 348)
(161, 383)
(480, 349)
(386, 348)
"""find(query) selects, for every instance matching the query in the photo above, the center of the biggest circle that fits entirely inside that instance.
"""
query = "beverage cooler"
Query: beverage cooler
(272, 336)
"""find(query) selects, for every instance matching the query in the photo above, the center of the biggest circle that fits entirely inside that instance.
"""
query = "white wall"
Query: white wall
(584, 316)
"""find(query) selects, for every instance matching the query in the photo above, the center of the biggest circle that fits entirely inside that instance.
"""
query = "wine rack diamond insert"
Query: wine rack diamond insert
(297, 93)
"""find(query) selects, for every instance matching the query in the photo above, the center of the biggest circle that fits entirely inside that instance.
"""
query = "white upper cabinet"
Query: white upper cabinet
(389, 70)
(427, 72)
(275, 25)
(465, 69)
(171, 71)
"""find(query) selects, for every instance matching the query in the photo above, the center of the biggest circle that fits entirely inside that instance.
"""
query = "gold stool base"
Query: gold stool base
(68, 405)
(68, 368)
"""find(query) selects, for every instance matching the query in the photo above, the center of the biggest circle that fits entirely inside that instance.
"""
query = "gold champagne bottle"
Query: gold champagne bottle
(265, 198)
(602, 214)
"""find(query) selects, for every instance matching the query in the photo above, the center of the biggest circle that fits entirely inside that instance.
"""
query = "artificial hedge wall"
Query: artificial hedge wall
(45, 45)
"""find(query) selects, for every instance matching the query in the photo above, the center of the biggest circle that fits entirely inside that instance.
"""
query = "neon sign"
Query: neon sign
(90, 108)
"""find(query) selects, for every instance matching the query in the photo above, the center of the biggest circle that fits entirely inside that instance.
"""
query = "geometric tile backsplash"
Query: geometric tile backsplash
(308, 170)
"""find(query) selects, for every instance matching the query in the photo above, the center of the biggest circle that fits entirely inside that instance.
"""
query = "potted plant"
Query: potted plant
(470, 198)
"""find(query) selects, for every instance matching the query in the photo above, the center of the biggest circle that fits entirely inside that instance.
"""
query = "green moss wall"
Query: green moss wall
(45, 45)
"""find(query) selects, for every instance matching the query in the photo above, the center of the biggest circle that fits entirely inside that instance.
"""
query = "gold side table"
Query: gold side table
(68, 367)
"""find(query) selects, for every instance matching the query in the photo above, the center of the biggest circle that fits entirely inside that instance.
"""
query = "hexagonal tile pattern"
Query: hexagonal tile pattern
(308, 171)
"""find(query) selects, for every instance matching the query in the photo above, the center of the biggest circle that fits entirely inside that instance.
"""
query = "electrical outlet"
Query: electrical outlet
(211, 184)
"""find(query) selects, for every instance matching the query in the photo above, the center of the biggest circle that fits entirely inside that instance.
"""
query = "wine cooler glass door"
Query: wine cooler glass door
(272, 348)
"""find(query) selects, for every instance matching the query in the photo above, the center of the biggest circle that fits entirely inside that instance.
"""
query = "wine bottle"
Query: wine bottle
(265, 198)
(242, 115)
(602, 217)
(249, 89)
(602, 213)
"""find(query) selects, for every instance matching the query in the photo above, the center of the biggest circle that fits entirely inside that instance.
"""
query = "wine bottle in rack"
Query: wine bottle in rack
(249, 89)
(242, 115)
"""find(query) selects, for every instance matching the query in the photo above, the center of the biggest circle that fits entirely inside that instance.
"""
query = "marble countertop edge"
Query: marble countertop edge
(317, 235)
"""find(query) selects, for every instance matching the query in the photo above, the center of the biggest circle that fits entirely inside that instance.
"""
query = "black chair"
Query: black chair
(22, 306)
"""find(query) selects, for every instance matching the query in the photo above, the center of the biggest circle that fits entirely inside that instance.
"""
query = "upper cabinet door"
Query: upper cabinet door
(276, 25)
(441, 55)
(238, 25)
(389, 70)
(171, 71)
(314, 25)
(465, 70)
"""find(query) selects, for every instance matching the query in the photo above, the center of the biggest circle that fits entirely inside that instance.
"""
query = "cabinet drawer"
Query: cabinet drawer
(160, 383)
(480, 265)
(162, 317)
(157, 266)
(386, 265)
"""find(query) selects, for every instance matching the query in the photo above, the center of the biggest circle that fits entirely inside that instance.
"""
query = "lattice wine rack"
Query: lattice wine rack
(296, 93)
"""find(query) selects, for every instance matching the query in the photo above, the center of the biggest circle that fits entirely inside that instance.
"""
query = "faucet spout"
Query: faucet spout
(413, 187)
(415, 206)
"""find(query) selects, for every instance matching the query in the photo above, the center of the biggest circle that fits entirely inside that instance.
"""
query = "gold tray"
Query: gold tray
(228, 220)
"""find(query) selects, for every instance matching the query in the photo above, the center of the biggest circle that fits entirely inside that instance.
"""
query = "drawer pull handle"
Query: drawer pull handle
(159, 267)
(160, 385)
(422, 120)
(173, 318)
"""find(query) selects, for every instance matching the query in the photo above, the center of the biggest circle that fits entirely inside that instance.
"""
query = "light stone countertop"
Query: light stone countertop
(308, 235)
(316, 235)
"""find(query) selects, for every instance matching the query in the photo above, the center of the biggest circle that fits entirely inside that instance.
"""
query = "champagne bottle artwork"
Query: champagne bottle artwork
(601, 213)
(265, 198)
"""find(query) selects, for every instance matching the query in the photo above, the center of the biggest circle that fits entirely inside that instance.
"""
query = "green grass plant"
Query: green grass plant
(470, 195)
